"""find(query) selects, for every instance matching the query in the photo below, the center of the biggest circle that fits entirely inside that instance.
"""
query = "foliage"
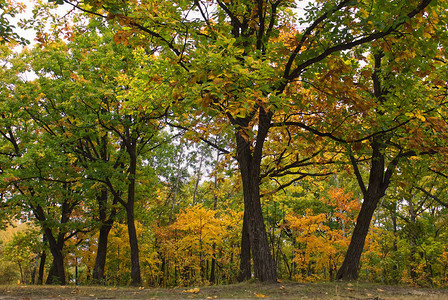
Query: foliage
(182, 131)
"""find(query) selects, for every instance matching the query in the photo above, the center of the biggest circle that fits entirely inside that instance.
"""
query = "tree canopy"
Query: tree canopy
(230, 139)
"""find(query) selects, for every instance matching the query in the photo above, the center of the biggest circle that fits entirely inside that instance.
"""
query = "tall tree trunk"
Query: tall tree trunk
(245, 262)
(379, 181)
(130, 205)
(249, 162)
(52, 274)
(57, 270)
(100, 260)
(133, 242)
(349, 268)
(56, 245)
(106, 226)
(40, 277)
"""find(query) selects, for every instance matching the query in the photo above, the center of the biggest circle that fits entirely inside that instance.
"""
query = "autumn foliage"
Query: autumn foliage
(187, 143)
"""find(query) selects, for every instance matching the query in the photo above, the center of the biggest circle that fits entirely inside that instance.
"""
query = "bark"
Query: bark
(132, 232)
(106, 226)
(245, 263)
(249, 162)
(56, 244)
(58, 272)
(133, 241)
(176, 187)
(100, 260)
(379, 180)
(40, 278)
(52, 274)
(349, 268)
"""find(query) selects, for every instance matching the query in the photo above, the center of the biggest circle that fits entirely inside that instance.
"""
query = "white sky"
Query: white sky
(62, 9)
(30, 34)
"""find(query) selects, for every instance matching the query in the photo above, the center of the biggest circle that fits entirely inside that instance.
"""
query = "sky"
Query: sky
(63, 9)
(27, 14)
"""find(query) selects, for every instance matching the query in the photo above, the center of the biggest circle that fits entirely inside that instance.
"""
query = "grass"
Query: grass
(246, 290)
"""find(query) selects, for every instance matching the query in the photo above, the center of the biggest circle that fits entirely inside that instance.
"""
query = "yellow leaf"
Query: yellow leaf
(261, 295)
(194, 291)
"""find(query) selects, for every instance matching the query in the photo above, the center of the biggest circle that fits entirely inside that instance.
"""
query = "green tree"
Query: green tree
(10, 9)
(234, 68)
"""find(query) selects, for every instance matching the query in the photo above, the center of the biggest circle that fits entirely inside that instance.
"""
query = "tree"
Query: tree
(9, 9)
(406, 132)
(233, 67)
(102, 130)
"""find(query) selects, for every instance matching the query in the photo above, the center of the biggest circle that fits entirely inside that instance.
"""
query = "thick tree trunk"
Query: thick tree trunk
(58, 265)
(379, 181)
(56, 275)
(100, 260)
(106, 226)
(57, 270)
(51, 274)
(349, 268)
(245, 263)
(133, 240)
(249, 161)
(40, 277)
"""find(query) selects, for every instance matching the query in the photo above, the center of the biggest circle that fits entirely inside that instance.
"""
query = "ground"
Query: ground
(248, 290)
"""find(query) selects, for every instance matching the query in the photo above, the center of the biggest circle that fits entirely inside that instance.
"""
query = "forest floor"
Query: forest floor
(247, 290)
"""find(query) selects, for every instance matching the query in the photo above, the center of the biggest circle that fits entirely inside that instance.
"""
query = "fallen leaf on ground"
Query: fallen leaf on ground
(380, 290)
(194, 291)
(260, 295)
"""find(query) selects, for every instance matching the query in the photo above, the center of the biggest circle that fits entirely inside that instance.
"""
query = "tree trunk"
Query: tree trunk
(133, 243)
(100, 260)
(58, 263)
(176, 188)
(106, 226)
(249, 162)
(133, 240)
(379, 181)
(245, 264)
(51, 274)
(40, 277)
(198, 178)
(349, 268)
(56, 246)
